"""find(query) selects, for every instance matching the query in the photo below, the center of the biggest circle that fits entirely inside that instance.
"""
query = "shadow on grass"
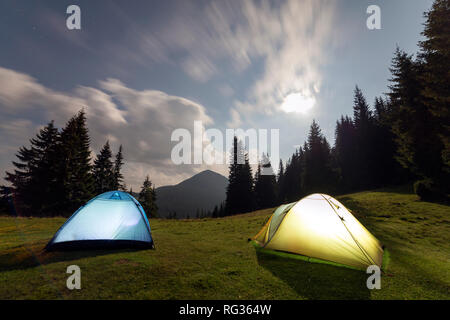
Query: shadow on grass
(24, 257)
(357, 208)
(316, 281)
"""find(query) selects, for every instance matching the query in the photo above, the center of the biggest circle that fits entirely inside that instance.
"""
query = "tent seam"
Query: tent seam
(368, 257)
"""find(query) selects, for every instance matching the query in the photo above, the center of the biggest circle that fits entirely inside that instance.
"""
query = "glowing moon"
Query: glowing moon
(297, 102)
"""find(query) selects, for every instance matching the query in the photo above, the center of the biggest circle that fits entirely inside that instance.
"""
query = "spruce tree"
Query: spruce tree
(239, 194)
(103, 171)
(362, 115)
(317, 175)
(344, 152)
(292, 180)
(35, 181)
(6, 206)
(258, 187)
(435, 57)
(222, 212)
(48, 145)
(22, 184)
(215, 212)
(265, 185)
(364, 132)
(281, 194)
(147, 198)
(246, 182)
(118, 183)
(75, 166)
(386, 170)
(416, 130)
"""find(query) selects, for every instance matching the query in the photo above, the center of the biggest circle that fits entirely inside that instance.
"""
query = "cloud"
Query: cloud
(267, 50)
(226, 90)
(292, 39)
(199, 69)
(235, 121)
(142, 121)
(21, 94)
(306, 27)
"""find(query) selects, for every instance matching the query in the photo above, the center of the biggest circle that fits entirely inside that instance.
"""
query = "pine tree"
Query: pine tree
(258, 188)
(419, 148)
(280, 190)
(147, 198)
(362, 115)
(435, 57)
(117, 174)
(317, 175)
(292, 180)
(34, 181)
(240, 196)
(386, 170)
(247, 183)
(103, 171)
(222, 212)
(47, 194)
(344, 153)
(6, 200)
(215, 212)
(364, 132)
(265, 185)
(22, 184)
(75, 166)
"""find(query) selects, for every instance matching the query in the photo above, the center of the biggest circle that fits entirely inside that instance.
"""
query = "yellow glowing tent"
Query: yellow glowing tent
(319, 226)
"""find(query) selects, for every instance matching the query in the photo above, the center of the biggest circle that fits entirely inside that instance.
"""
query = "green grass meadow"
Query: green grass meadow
(212, 259)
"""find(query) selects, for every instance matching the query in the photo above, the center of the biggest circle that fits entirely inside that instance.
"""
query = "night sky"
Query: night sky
(142, 69)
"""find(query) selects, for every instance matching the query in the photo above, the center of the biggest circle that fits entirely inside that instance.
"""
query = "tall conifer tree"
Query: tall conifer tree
(364, 132)
(317, 175)
(419, 148)
(103, 170)
(117, 174)
(34, 180)
(75, 167)
(265, 185)
(147, 198)
(435, 57)
(239, 194)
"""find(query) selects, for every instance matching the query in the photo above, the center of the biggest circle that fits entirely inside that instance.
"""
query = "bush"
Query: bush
(427, 190)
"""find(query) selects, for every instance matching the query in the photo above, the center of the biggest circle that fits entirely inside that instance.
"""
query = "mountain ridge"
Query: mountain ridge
(201, 192)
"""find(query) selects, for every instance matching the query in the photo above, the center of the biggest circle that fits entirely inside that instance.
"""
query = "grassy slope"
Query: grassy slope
(211, 259)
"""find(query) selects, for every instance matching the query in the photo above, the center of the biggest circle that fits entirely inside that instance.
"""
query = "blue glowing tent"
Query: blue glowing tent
(114, 219)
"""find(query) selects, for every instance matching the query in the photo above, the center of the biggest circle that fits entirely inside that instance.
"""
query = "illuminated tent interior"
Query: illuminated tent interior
(113, 219)
(319, 226)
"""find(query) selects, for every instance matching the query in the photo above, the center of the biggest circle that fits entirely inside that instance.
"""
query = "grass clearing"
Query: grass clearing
(212, 259)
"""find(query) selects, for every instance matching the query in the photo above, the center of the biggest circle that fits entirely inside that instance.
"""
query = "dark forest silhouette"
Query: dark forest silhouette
(403, 138)
(55, 175)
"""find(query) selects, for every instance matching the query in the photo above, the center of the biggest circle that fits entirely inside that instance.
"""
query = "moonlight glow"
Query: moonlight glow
(297, 102)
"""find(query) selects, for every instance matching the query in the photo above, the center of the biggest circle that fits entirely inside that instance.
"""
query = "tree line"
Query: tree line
(402, 138)
(55, 175)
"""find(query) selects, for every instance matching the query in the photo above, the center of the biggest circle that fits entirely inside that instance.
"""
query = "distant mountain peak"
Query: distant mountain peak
(201, 192)
(204, 174)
